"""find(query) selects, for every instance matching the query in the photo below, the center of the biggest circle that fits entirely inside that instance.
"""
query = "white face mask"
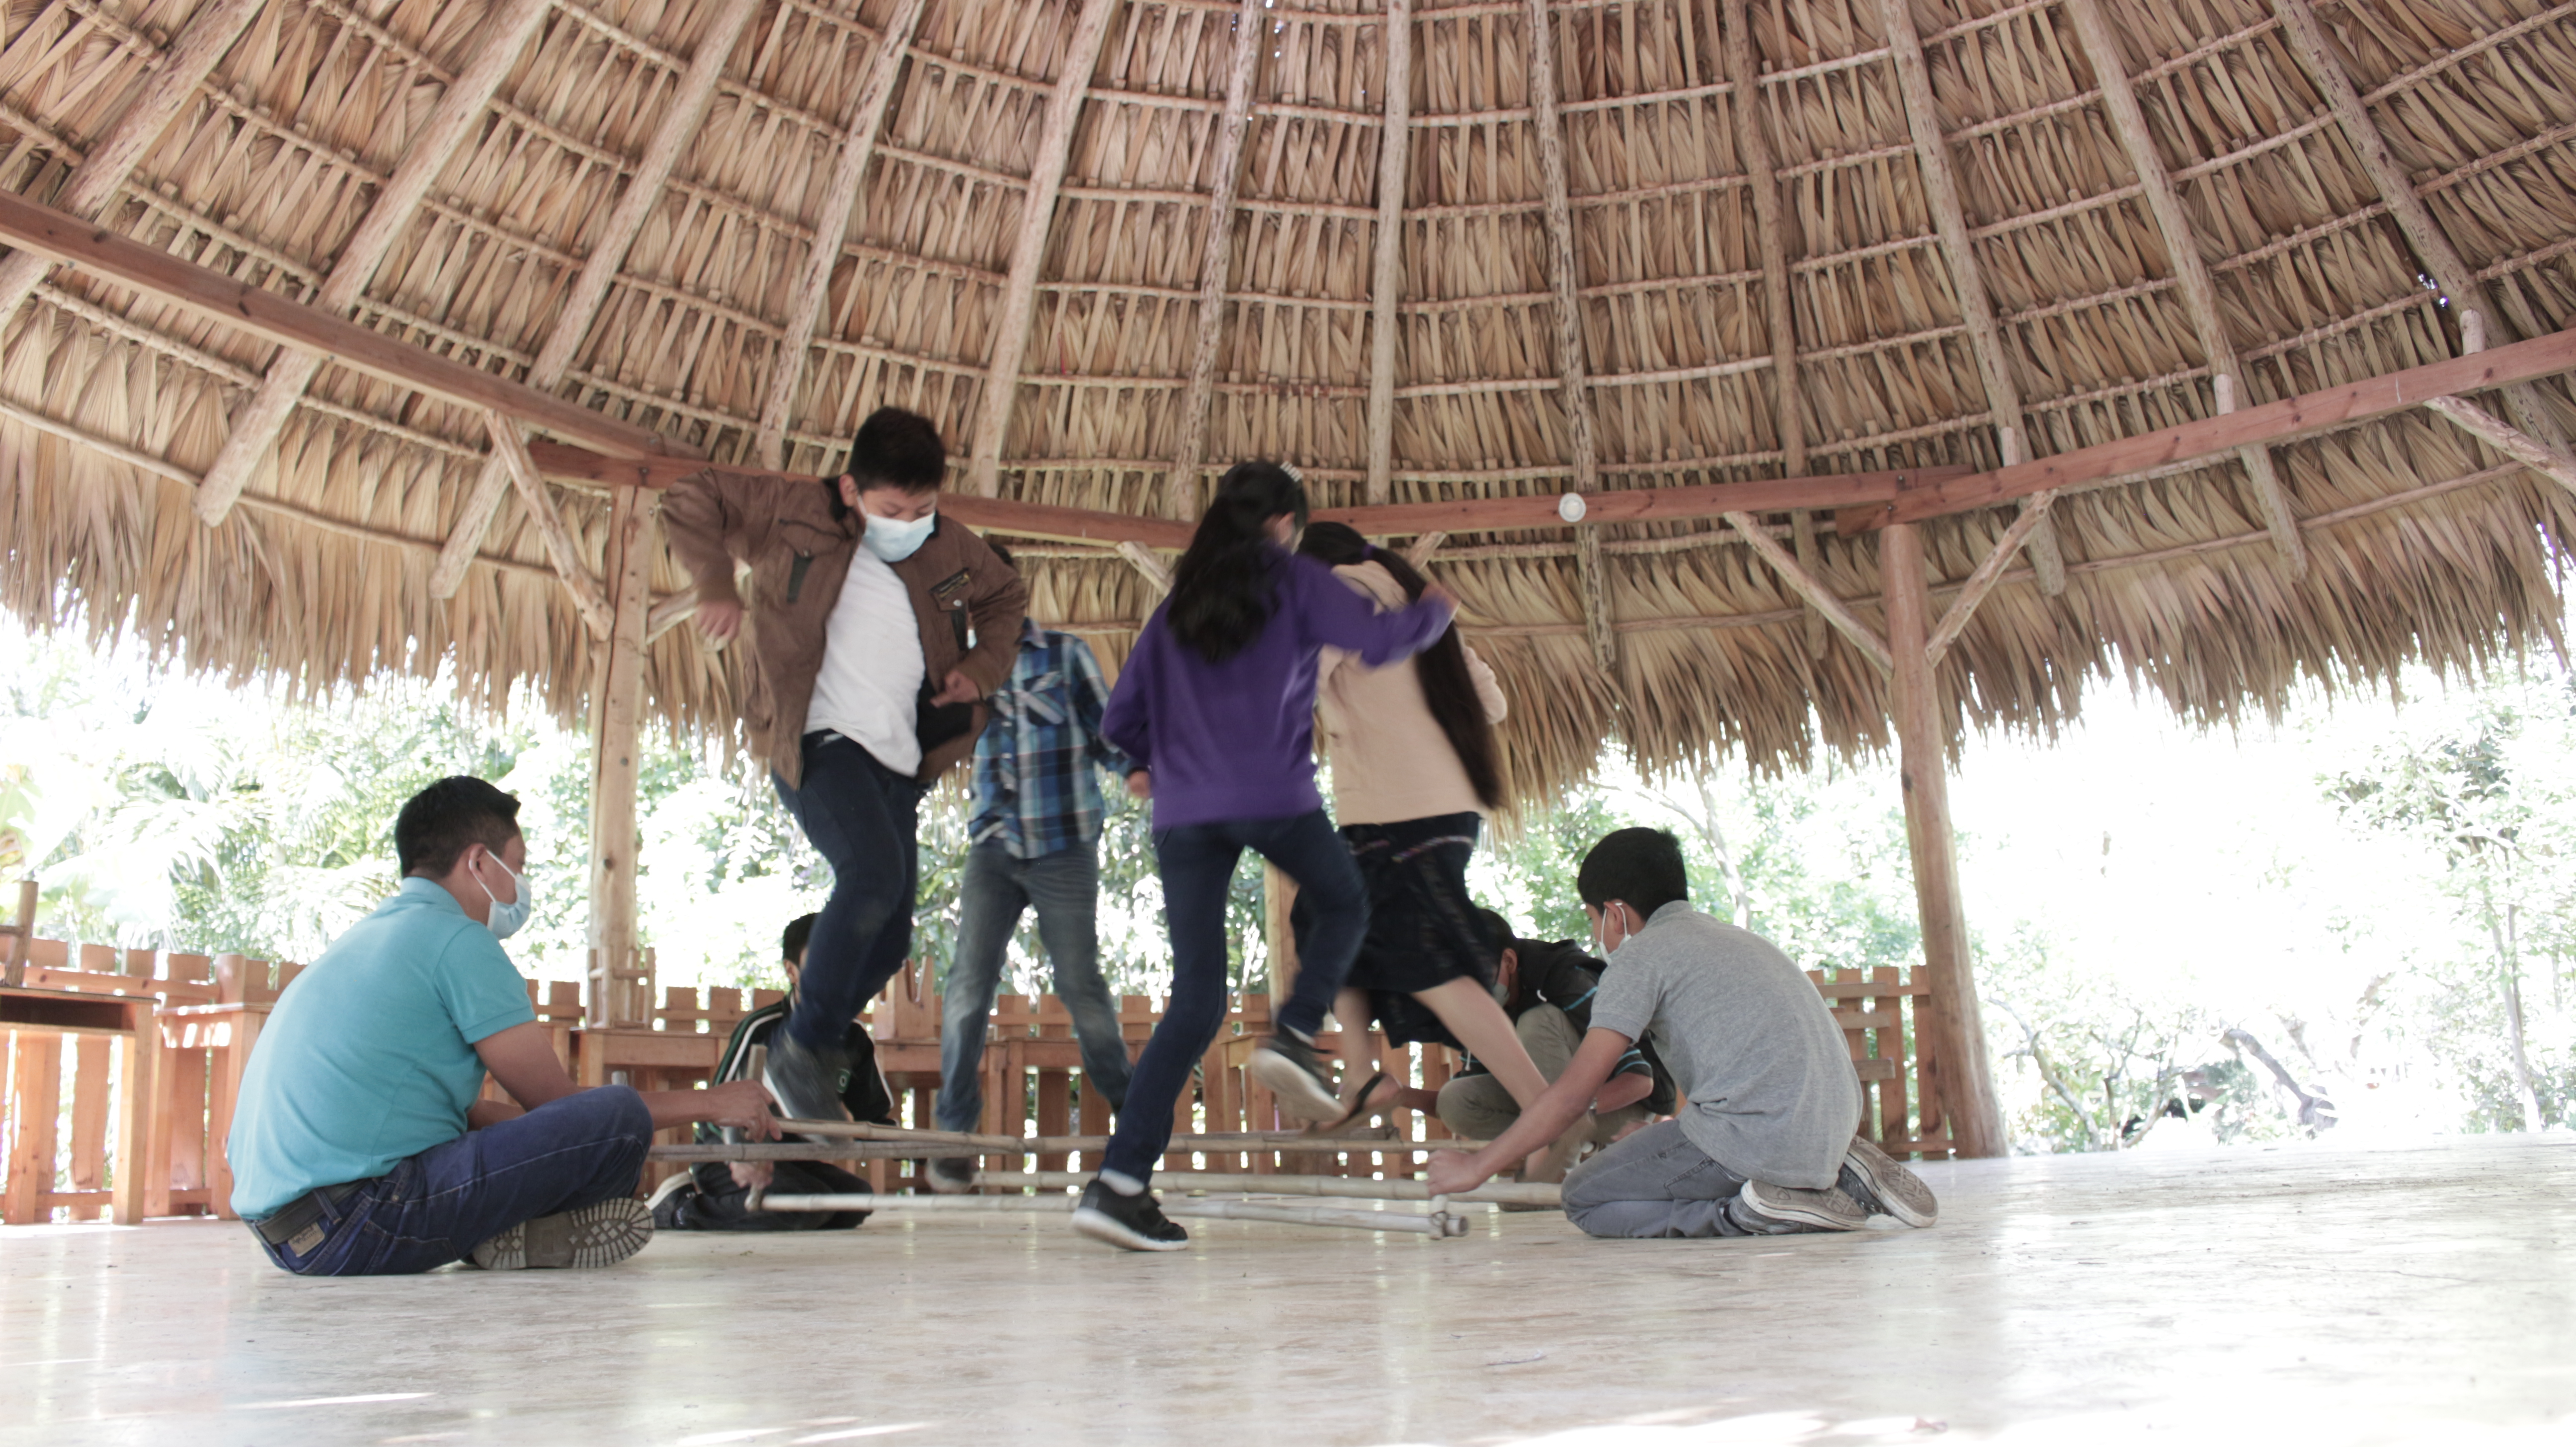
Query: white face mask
(505, 919)
(1619, 914)
(894, 539)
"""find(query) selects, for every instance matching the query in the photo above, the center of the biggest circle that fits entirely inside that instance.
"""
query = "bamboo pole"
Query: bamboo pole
(256, 427)
(617, 719)
(1958, 1030)
(1439, 1224)
(1386, 270)
(1505, 1193)
(1216, 257)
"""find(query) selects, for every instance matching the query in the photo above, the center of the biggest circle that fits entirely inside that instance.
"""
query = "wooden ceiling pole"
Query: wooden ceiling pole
(1771, 235)
(617, 746)
(2191, 274)
(2503, 436)
(1028, 253)
(510, 452)
(1976, 309)
(581, 307)
(159, 94)
(2441, 260)
(1954, 1026)
(1806, 585)
(1386, 274)
(1591, 572)
(257, 425)
(1181, 489)
(1981, 582)
(832, 227)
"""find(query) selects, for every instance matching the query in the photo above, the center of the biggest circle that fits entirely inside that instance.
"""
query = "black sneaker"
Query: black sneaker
(1294, 1071)
(951, 1175)
(1884, 1187)
(1133, 1222)
(806, 1082)
(1767, 1210)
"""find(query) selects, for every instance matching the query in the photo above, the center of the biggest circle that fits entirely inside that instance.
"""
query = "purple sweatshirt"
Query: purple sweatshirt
(1236, 740)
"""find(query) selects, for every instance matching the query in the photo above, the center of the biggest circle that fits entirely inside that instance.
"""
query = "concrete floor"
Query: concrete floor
(2304, 1296)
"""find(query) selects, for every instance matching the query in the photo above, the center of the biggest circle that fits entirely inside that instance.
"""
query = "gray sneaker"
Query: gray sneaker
(596, 1235)
(1295, 1072)
(1884, 1187)
(951, 1175)
(1768, 1210)
(806, 1082)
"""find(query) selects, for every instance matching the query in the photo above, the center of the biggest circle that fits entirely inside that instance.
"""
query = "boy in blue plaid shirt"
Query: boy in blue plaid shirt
(1034, 840)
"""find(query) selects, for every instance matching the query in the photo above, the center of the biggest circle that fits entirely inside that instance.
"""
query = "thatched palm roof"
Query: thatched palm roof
(1693, 244)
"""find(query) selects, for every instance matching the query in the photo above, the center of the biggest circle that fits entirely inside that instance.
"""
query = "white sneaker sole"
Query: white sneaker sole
(1101, 1226)
(1901, 1191)
(593, 1236)
(1300, 1094)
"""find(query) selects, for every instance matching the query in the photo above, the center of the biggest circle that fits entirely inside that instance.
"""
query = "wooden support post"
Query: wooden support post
(1959, 1045)
(1216, 257)
(22, 936)
(1278, 896)
(139, 1062)
(616, 741)
(35, 1099)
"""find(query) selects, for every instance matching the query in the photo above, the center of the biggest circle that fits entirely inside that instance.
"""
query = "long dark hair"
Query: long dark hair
(1225, 586)
(1447, 686)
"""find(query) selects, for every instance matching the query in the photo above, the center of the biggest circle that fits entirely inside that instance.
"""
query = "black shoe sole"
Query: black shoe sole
(1101, 1226)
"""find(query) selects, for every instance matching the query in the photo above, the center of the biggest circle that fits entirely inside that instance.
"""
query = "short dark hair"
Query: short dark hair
(1641, 866)
(791, 945)
(1004, 554)
(440, 822)
(896, 448)
(1494, 931)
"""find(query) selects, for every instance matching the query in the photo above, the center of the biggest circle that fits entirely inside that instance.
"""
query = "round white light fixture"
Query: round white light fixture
(1570, 507)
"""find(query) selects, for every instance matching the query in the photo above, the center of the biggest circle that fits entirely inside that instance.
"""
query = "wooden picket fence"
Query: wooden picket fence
(68, 1112)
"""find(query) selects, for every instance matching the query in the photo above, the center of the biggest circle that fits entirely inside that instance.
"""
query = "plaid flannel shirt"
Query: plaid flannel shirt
(1035, 792)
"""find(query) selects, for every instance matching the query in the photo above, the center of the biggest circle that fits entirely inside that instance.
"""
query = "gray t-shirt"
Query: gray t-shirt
(1771, 1091)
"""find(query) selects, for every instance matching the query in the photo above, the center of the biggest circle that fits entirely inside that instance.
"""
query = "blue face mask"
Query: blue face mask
(505, 919)
(895, 540)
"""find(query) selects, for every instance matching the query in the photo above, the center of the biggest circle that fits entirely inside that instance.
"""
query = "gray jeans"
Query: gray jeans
(1654, 1183)
(1478, 1108)
(1065, 888)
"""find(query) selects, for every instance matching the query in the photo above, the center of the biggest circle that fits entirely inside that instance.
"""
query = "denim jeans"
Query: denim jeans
(862, 818)
(1480, 1109)
(1065, 888)
(435, 1207)
(1197, 863)
(1654, 1183)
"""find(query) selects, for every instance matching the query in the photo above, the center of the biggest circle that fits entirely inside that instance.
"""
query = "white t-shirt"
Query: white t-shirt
(870, 682)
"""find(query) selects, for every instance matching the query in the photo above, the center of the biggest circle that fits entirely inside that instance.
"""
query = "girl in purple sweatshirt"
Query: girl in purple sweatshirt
(1216, 706)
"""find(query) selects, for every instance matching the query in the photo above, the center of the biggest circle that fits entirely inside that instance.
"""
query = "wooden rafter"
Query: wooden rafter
(2191, 273)
(1950, 219)
(1153, 570)
(2508, 439)
(1424, 547)
(1386, 271)
(257, 425)
(679, 127)
(831, 227)
(258, 312)
(511, 451)
(2274, 422)
(1812, 588)
(1989, 573)
(1591, 571)
(159, 94)
(1028, 252)
(2433, 247)
(1181, 489)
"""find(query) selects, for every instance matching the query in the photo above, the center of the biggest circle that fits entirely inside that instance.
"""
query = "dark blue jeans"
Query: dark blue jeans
(436, 1206)
(862, 818)
(1065, 889)
(1197, 862)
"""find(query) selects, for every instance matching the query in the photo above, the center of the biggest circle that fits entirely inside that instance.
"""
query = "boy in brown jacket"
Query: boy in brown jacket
(877, 627)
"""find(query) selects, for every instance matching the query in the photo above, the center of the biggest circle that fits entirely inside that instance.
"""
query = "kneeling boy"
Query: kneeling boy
(359, 1148)
(1764, 1145)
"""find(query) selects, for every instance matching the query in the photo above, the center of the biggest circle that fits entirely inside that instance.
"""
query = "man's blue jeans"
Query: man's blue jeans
(439, 1205)
(1065, 888)
(862, 817)
(1197, 862)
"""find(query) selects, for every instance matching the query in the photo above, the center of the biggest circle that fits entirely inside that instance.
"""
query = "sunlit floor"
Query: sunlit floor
(2299, 1296)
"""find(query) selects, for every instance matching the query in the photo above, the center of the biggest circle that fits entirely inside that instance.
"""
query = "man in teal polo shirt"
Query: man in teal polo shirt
(359, 1147)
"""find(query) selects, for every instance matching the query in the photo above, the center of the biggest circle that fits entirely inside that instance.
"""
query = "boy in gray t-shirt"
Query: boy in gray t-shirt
(1764, 1144)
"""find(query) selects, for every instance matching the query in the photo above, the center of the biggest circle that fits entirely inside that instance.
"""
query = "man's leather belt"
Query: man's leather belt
(301, 1212)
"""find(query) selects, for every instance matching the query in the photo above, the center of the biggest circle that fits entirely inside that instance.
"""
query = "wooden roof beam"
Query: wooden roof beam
(511, 450)
(1216, 258)
(2440, 258)
(831, 228)
(2270, 424)
(2191, 273)
(1591, 572)
(159, 94)
(2550, 462)
(258, 312)
(257, 425)
(1989, 573)
(1028, 252)
(1950, 220)
(1811, 588)
(1386, 272)
(688, 106)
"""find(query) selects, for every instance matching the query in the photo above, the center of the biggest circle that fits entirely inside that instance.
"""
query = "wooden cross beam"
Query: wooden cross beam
(511, 451)
(1808, 586)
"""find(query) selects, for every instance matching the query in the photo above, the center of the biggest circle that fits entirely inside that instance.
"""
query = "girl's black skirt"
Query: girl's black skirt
(1422, 928)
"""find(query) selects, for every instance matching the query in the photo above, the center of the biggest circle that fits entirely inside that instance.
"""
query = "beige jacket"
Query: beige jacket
(1390, 760)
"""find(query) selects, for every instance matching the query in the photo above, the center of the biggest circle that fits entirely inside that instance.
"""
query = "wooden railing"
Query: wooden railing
(66, 1093)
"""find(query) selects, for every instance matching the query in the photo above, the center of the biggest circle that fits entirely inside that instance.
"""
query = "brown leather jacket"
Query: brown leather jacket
(798, 537)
